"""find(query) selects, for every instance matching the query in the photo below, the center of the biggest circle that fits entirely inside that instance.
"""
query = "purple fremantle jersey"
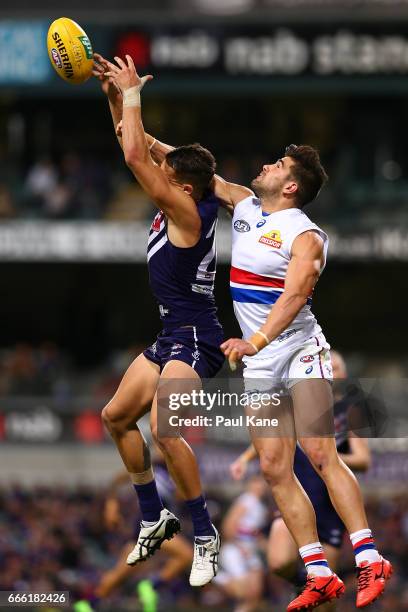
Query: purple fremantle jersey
(182, 279)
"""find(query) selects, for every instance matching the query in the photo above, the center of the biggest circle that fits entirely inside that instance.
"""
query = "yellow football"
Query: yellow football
(69, 50)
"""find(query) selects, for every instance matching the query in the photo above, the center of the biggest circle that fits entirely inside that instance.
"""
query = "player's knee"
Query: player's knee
(113, 418)
(166, 444)
(319, 454)
(273, 466)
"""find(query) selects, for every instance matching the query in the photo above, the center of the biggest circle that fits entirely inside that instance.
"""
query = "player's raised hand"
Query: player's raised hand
(238, 468)
(125, 74)
(234, 349)
(100, 68)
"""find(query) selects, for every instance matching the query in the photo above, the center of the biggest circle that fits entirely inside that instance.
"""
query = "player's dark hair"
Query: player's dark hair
(193, 164)
(307, 171)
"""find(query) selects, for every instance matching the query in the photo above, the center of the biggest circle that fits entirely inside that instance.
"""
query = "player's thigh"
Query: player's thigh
(313, 408)
(135, 392)
(282, 550)
(177, 378)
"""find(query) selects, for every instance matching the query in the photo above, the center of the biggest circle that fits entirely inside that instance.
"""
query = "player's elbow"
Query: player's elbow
(134, 158)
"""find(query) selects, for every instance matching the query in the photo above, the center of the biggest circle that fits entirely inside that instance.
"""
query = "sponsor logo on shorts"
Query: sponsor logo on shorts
(309, 370)
(241, 226)
(175, 347)
(261, 223)
(163, 311)
(56, 58)
(307, 359)
(154, 348)
(286, 335)
(196, 355)
(272, 239)
(174, 353)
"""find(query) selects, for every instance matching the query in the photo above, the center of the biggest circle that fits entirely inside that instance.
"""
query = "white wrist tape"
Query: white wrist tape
(131, 96)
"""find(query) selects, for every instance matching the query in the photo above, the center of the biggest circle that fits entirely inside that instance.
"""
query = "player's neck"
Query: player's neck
(274, 204)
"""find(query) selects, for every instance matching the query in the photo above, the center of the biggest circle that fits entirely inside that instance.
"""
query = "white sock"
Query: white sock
(315, 559)
(364, 547)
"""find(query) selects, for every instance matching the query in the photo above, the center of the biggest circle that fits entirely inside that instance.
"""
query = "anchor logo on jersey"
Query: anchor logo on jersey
(157, 221)
(272, 238)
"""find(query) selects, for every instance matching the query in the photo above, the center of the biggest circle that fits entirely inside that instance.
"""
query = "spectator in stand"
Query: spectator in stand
(42, 179)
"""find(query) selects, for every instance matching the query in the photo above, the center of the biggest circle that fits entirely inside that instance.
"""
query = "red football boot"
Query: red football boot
(318, 590)
(371, 578)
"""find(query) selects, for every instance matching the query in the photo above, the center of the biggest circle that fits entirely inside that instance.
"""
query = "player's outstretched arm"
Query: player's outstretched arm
(110, 89)
(239, 467)
(302, 275)
(359, 459)
(168, 195)
(230, 194)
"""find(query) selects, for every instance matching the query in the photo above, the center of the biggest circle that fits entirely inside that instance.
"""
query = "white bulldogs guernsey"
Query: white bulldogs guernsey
(261, 251)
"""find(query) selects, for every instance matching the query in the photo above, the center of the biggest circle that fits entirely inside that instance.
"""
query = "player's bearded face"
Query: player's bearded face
(271, 180)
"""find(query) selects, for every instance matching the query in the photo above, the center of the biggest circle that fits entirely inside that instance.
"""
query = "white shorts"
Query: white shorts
(237, 560)
(308, 359)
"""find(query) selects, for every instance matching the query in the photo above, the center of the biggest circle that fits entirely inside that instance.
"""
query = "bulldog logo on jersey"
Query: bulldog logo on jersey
(272, 238)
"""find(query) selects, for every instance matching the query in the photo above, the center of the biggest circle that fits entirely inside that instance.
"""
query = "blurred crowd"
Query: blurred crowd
(52, 538)
(83, 188)
(46, 370)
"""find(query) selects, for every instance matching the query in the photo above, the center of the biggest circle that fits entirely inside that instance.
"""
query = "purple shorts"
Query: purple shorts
(198, 348)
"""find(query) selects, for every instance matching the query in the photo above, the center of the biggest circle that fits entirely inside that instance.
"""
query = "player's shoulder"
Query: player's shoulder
(246, 205)
(300, 225)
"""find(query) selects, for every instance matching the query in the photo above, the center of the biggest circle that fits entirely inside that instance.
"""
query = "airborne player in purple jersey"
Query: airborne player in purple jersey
(181, 260)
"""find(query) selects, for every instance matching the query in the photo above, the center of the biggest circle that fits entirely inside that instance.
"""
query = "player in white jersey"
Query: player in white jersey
(241, 575)
(278, 255)
(272, 302)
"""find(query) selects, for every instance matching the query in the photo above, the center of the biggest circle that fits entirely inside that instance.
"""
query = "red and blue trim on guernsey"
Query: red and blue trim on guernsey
(256, 288)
